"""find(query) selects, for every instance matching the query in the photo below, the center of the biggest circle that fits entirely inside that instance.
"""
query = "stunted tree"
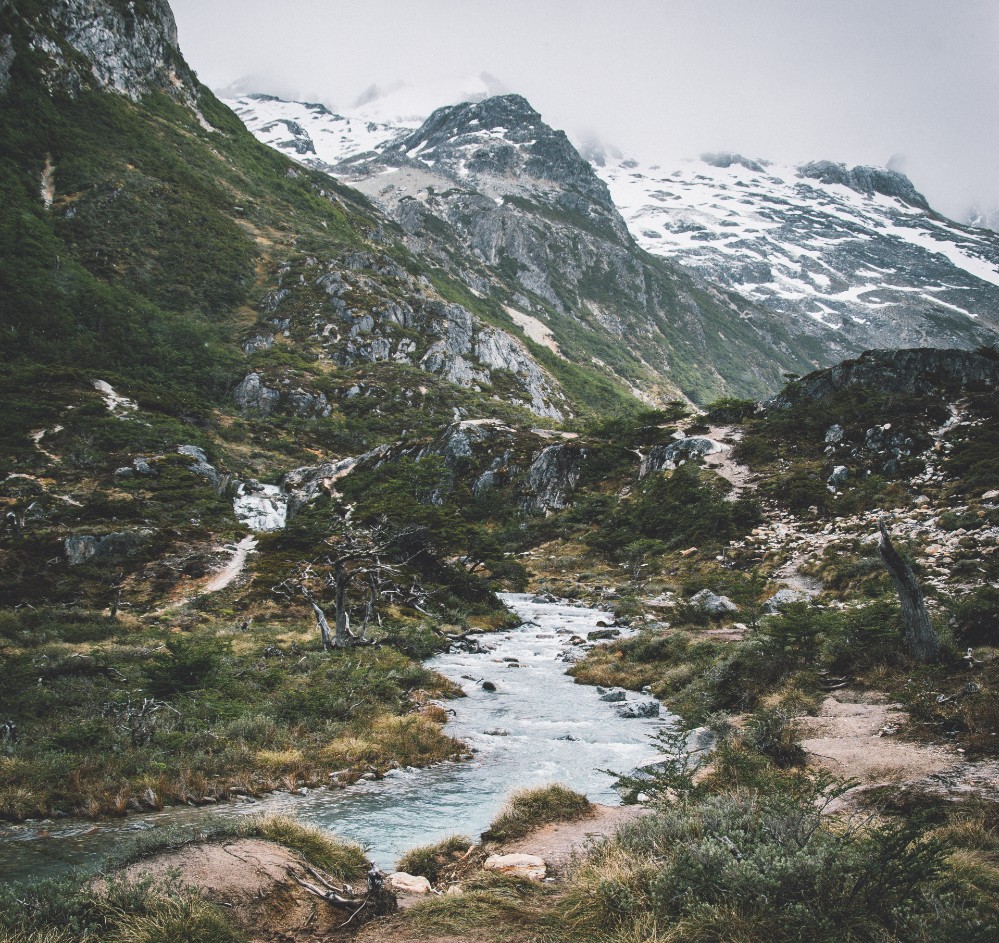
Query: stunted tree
(920, 639)
(353, 563)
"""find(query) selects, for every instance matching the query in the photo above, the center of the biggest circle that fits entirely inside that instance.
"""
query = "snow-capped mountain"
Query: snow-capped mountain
(846, 259)
(506, 205)
(309, 132)
(857, 250)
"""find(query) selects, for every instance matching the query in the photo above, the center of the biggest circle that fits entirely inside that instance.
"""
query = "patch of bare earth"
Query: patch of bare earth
(254, 880)
(854, 736)
(558, 842)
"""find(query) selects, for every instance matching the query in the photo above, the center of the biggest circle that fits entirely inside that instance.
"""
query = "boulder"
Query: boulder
(87, 547)
(251, 395)
(834, 434)
(201, 464)
(712, 603)
(522, 866)
(667, 457)
(614, 696)
(782, 599)
(839, 475)
(634, 710)
(408, 883)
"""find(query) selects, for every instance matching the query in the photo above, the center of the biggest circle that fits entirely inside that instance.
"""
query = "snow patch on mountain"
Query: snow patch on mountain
(857, 250)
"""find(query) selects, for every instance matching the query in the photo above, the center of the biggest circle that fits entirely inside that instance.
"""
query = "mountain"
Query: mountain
(841, 258)
(857, 251)
(507, 205)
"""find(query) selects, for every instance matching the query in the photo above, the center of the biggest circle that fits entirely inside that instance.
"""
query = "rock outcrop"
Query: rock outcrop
(87, 548)
(914, 371)
(129, 49)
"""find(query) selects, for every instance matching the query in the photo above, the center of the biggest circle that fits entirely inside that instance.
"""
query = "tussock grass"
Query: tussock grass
(435, 861)
(528, 809)
(184, 917)
(72, 911)
(491, 901)
(341, 859)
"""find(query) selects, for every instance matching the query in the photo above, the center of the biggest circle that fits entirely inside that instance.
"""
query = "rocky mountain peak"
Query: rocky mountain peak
(125, 47)
(866, 180)
(502, 136)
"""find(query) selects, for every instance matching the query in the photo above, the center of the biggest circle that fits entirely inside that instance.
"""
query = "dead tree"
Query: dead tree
(354, 556)
(920, 640)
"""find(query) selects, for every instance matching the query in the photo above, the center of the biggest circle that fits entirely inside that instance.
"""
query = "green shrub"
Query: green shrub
(976, 616)
(771, 733)
(747, 867)
(187, 664)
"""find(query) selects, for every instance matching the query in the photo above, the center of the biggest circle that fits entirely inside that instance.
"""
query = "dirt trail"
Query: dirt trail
(791, 576)
(557, 843)
(722, 463)
(854, 736)
(224, 578)
(231, 571)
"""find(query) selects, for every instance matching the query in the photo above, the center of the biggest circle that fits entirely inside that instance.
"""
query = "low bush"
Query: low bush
(749, 867)
(435, 861)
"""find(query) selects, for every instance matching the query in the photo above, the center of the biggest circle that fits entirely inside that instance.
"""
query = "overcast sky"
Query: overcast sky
(911, 82)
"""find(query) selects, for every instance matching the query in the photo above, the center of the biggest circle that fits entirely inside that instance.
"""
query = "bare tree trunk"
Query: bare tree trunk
(371, 607)
(341, 578)
(920, 639)
(324, 626)
(117, 585)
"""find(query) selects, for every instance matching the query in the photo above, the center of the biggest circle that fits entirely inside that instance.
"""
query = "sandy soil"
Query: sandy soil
(856, 736)
(254, 880)
(557, 843)
(853, 736)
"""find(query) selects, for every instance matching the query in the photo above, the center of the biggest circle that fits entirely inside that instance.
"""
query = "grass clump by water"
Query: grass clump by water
(439, 861)
(89, 907)
(340, 859)
(505, 906)
(529, 809)
(69, 911)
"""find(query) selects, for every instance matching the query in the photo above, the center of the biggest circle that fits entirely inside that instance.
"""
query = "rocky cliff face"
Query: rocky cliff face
(364, 308)
(125, 47)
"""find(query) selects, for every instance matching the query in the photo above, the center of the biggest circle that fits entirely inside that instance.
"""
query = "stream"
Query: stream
(537, 727)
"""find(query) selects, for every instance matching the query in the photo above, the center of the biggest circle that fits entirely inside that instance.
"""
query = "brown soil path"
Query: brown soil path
(557, 843)
(722, 463)
(856, 735)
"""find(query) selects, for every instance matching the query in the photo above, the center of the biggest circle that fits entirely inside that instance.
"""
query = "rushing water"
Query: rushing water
(537, 727)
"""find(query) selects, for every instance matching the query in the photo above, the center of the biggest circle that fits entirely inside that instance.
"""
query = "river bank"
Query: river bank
(535, 726)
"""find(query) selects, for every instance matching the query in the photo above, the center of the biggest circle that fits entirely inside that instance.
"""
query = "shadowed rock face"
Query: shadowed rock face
(915, 370)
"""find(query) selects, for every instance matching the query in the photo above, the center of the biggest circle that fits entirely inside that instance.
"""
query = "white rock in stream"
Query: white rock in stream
(261, 507)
